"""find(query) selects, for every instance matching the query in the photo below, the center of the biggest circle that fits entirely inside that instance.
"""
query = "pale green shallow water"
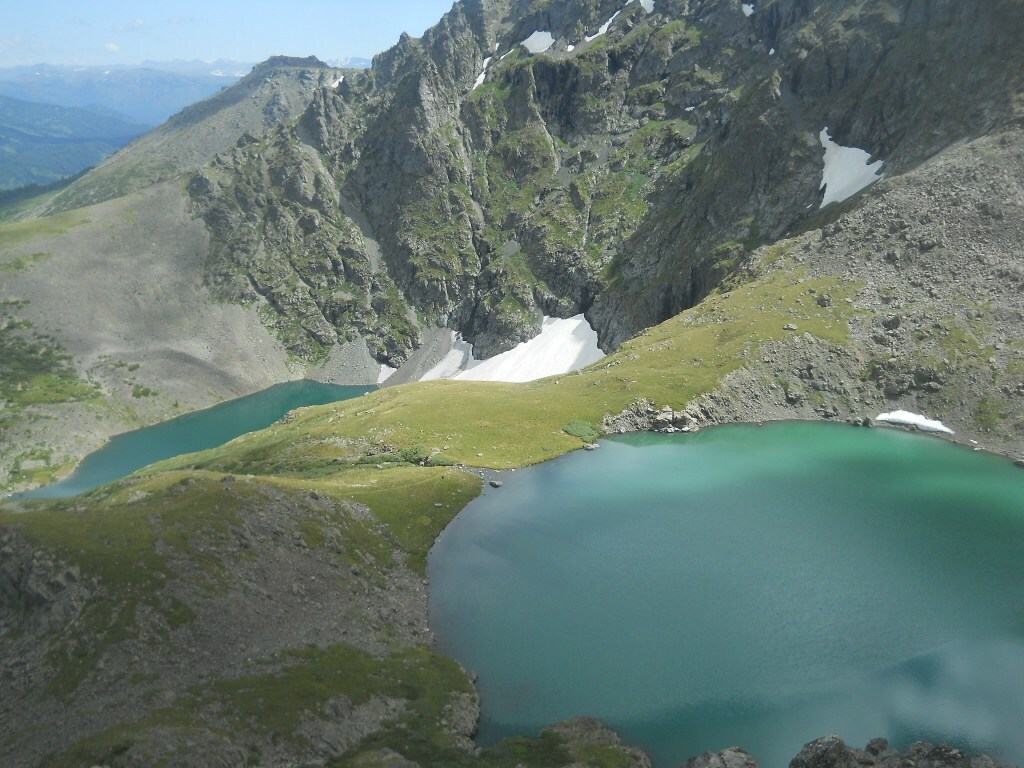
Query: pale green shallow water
(195, 431)
(746, 586)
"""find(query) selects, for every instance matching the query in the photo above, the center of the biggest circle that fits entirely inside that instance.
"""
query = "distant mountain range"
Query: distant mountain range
(147, 94)
(57, 121)
(41, 143)
(351, 62)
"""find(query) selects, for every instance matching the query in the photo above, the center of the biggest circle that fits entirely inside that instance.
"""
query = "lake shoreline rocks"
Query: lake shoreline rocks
(832, 752)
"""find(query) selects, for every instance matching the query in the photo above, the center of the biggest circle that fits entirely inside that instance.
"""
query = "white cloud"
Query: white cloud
(134, 26)
(112, 47)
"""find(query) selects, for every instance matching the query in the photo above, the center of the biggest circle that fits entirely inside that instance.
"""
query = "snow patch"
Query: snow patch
(386, 372)
(538, 42)
(910, 419)
(482, 75)
(455, 361)
(847, 170)
(603, 28)
(748, 9)
(647, 5)
(690, 109)
(771, 52)
(338, 82)
(563, 345)
(570, 48)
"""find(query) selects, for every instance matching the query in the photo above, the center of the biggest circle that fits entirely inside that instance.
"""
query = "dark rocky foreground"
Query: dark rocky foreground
(832, 752)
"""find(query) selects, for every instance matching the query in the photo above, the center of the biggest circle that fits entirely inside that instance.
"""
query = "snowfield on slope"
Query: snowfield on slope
(911, 419)
(847, 170)
(538, 42)
(563, 345)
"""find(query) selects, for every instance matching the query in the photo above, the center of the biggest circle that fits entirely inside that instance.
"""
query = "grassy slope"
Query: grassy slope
(134, 536)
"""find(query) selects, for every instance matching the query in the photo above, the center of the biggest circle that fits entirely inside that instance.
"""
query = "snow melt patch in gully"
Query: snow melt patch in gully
(563, 345)
(748, 9)
(482, 75)
(538, 42)
(911, 419)
(603, 28)
(847, 170)
(647, 5)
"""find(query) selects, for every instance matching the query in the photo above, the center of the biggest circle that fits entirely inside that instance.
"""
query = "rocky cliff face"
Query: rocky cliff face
(624, 176)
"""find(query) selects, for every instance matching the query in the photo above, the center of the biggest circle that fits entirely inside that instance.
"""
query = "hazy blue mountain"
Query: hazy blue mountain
(40, 143)
(147, 94)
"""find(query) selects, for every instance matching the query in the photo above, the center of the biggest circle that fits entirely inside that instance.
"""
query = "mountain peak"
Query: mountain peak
(292, 61)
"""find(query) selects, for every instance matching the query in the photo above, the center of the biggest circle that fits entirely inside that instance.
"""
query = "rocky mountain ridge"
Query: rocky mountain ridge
(624, 178)
(275, 91)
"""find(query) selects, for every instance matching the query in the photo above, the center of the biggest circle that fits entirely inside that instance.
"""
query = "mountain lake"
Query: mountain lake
(746, 586)
(195, 431)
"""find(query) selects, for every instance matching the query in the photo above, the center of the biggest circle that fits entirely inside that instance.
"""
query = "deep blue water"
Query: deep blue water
(746, 586)
(194, 431)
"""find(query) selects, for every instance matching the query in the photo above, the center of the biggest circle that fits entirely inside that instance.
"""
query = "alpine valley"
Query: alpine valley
(790, 209)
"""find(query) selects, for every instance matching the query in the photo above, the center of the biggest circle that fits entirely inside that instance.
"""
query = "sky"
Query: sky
(131, 31)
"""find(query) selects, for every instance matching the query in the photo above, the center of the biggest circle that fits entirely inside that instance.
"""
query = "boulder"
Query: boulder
(828, 752)
(728, 758)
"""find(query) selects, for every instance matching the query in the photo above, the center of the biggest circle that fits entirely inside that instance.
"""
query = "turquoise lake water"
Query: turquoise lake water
(746, 586)
(195, 431)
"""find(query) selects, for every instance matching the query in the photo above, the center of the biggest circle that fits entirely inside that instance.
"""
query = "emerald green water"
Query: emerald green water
(195, 431)
(746, 586)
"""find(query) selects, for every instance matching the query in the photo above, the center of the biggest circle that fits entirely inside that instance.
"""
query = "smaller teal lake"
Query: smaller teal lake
(746, 586)
(192, 432)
